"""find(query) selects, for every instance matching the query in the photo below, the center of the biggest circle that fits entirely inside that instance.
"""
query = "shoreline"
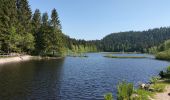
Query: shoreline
(7, 60)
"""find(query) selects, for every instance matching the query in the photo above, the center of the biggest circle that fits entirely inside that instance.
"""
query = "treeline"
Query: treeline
(135, 40)
(22, 31)
(38, 34)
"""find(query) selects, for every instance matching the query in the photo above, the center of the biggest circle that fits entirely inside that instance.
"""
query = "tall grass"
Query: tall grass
(124, 91)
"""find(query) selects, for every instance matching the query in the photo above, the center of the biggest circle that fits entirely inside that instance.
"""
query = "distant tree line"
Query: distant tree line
(135, 40)
(24, 32)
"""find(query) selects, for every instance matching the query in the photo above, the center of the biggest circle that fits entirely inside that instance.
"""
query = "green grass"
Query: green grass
(124, 91)
(158, 87)
(142, 94)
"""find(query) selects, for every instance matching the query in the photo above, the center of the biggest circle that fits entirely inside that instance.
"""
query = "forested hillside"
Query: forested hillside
(22, 31)
(135, 41)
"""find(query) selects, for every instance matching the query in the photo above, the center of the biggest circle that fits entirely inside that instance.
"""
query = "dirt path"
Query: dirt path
(164, 95)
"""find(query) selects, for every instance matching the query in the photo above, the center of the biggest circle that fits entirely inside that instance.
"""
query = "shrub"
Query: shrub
(125, 91)
(108, 96)
(162, 74)
(164, 55)
(153, 80)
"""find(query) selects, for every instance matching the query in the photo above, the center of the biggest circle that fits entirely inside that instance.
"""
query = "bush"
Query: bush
(108, 96)
(125, 91)
(153, 80)
(162, 74)
(164, 55)
(166, 74)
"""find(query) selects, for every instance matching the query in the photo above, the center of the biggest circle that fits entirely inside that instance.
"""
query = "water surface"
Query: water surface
(74, 78)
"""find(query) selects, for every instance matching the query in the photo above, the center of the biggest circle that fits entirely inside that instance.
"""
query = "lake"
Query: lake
(74, 78)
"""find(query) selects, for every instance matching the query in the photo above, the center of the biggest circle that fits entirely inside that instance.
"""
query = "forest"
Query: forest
(36, 33)
(139, 41)
(22, 31)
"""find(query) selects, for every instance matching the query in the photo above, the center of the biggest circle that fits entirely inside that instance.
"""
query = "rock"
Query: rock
(147, 86)
(169, 94)
(134, 96)
(142, 85)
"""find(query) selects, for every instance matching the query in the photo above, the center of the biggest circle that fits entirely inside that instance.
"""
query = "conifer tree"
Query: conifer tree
(56, 36)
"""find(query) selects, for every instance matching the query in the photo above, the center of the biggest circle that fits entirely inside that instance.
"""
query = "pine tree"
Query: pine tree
(24, 15)
(56, 36)
(45, 19)
(55, 22)
(8, 19)
(36, 21)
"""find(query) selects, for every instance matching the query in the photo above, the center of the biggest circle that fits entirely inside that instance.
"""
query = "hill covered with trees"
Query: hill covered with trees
(135, 40)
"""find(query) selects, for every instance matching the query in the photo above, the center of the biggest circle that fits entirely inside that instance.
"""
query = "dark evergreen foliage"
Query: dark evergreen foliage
(22, 32)
(135, 41)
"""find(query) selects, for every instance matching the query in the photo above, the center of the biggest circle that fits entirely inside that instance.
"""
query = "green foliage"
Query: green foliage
(158, 87)
(135, 41)
(168, 69)
(164, 55)
(36, 22)
(162, 51)
(141, 94)
(14, 40)
(27, 42)
(162, 74)
(153, 50)
(108, 96)
(167, 45)
(125, 91)
(155, 79)
(166, 74)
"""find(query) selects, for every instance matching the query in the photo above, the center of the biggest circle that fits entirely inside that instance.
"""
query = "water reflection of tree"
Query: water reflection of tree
(31, 80)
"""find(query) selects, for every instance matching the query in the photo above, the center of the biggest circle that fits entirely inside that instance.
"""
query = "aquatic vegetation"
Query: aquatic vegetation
(111, 56)
(108, 96)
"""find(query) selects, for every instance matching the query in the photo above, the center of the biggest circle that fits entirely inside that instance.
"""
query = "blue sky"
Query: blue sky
(94, 19)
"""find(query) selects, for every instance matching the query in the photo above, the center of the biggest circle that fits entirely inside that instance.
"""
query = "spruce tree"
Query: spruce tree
(8, 20)
(36, 21)
(24, 15)
(56, 36)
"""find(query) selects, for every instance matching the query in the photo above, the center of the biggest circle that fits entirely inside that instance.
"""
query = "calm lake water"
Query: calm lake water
(74, 78)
